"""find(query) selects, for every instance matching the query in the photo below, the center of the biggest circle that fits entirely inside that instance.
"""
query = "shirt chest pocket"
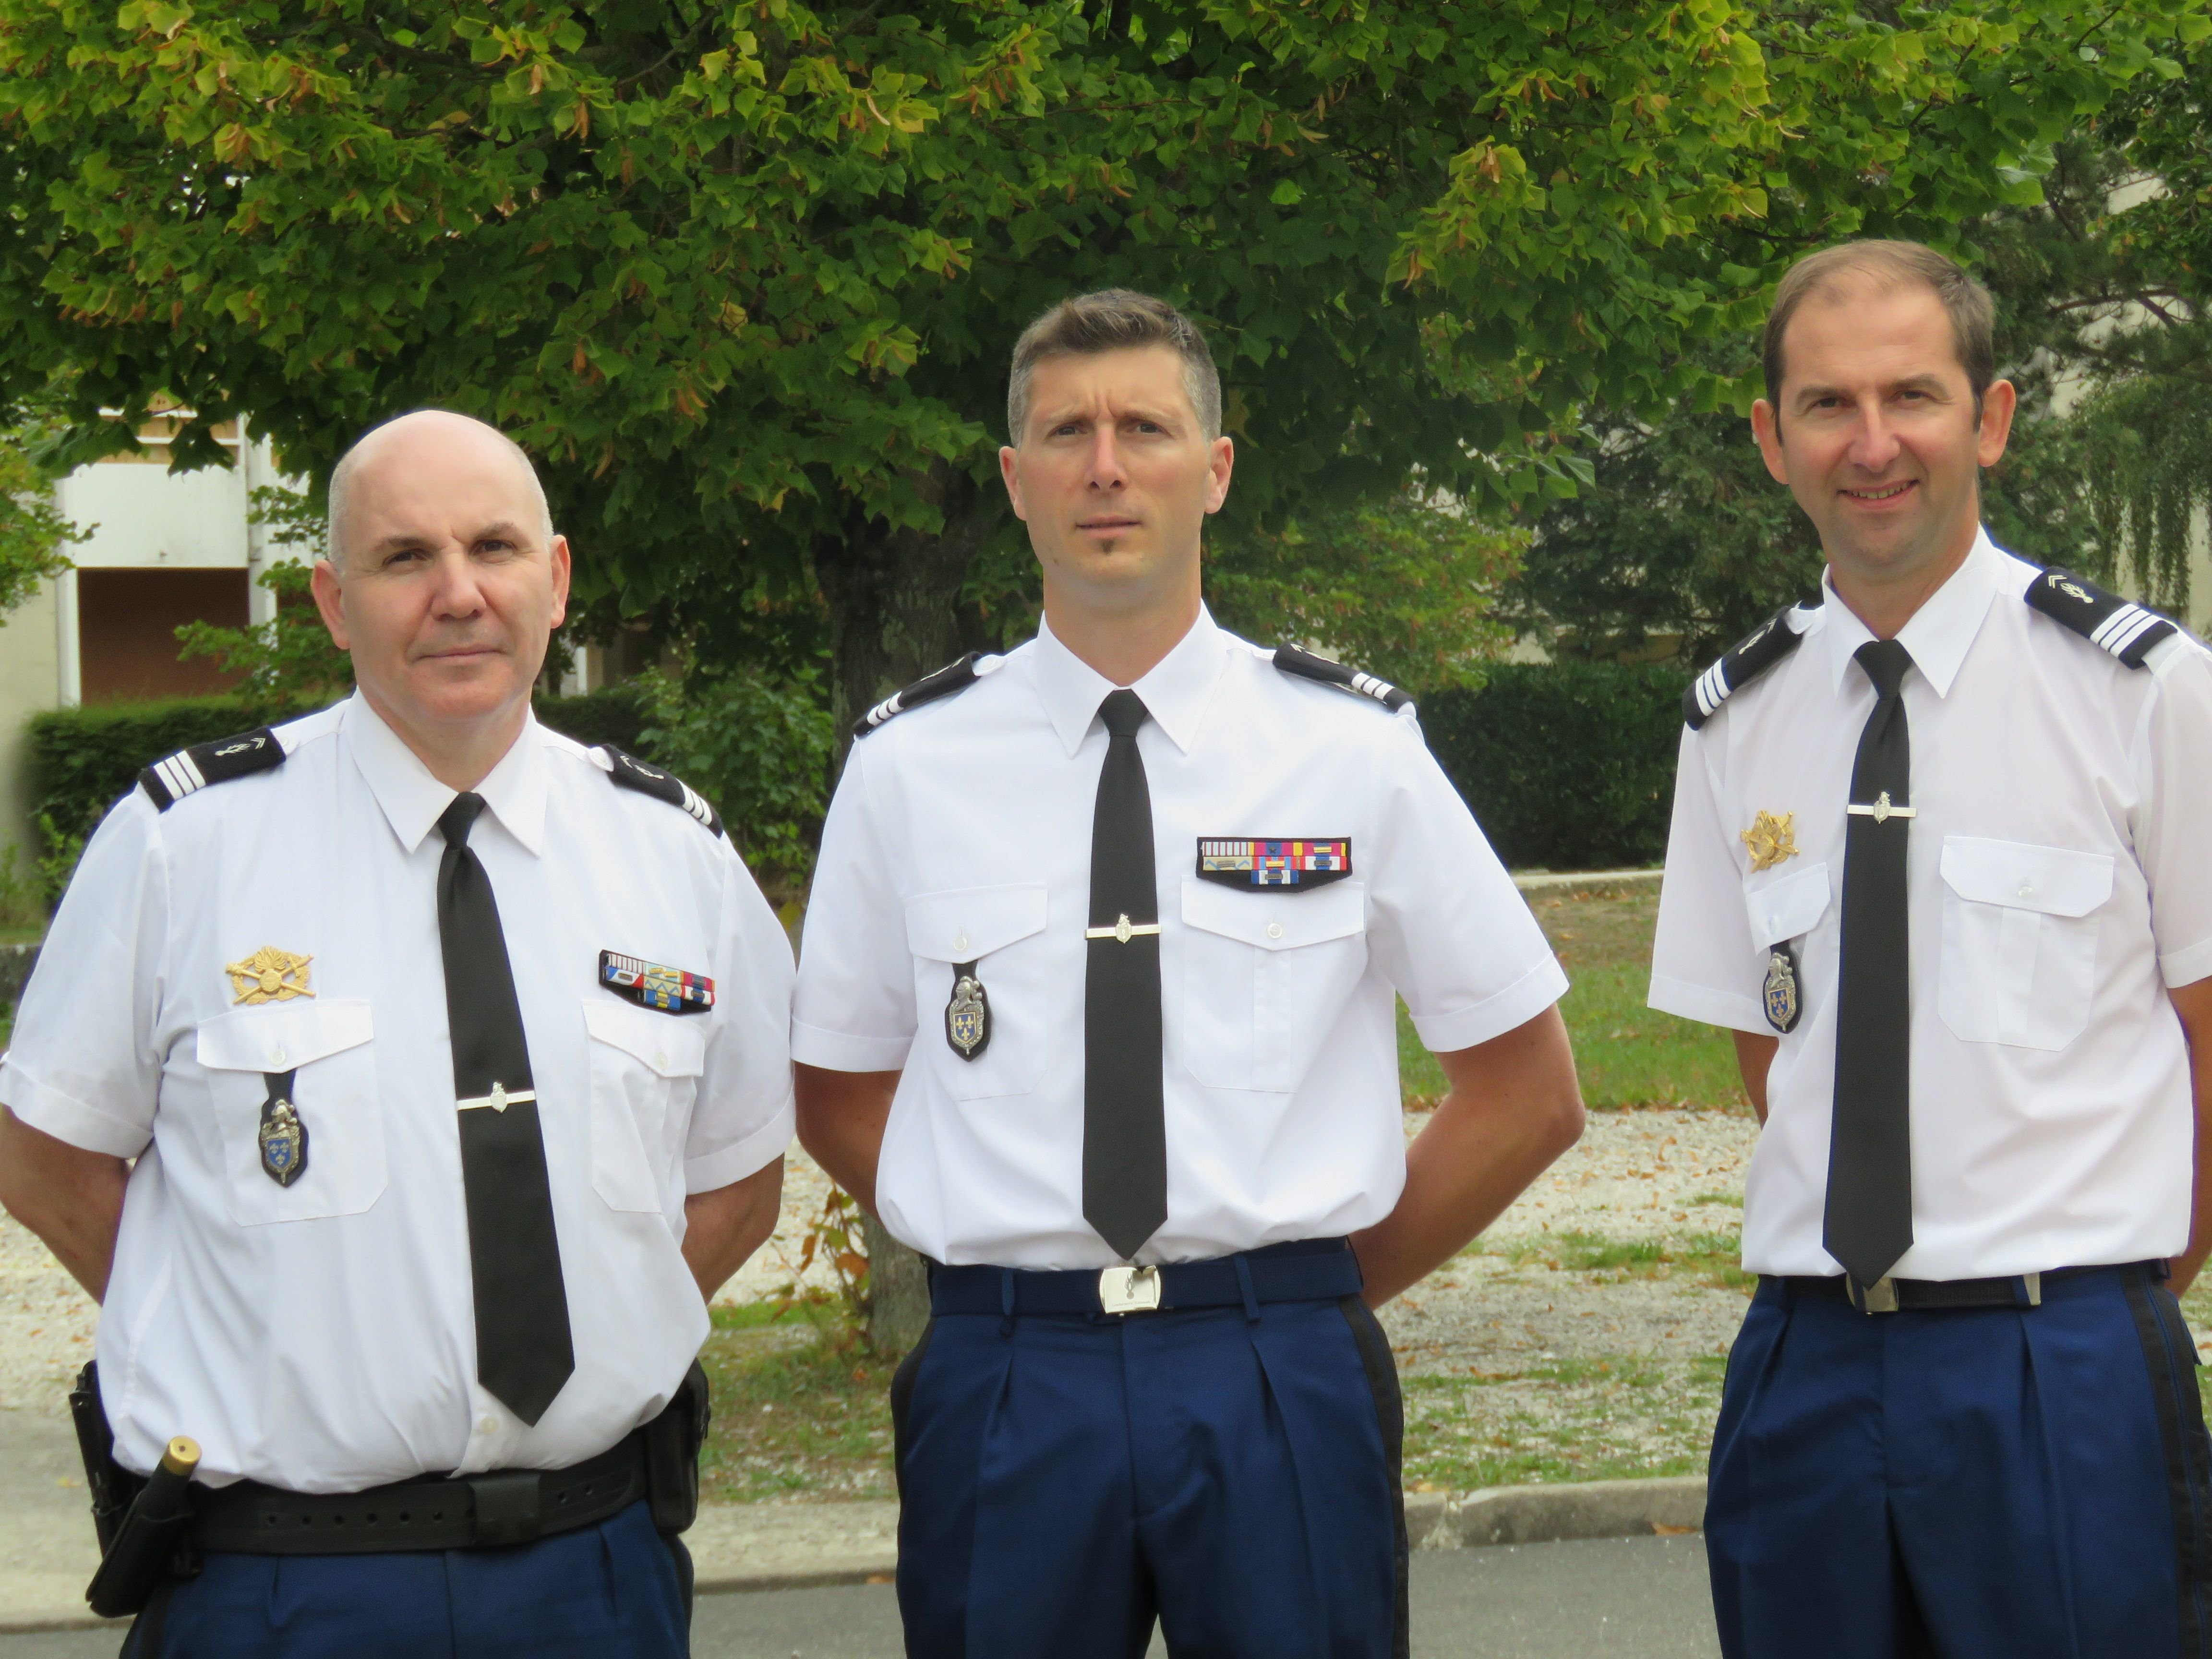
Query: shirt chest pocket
(1001, 930)
(646, 1068)
(1265, 975)
(2019, 940)
(326, 1044)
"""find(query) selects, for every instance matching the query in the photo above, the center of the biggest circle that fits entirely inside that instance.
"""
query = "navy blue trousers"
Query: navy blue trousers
(1068, 1479)
(617, 1590)
(2003, 1483)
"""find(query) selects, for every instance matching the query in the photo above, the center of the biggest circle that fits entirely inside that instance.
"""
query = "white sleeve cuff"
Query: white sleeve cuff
(51, 1111)
(751, 1155)
(2188, 965)
(1494, 1015)
(1706, 1006)
(837, 1051)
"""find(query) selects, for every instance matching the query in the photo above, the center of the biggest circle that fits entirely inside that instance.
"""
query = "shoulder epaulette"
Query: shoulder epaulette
(169, 781)
(2120, 626)
(1308, 666)
(631, 772)
(952, 678)
(1739, 666)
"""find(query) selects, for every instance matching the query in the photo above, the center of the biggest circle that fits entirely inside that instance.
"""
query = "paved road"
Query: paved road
(1637, 1598)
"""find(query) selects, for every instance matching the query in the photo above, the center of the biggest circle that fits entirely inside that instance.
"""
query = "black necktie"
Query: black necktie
(523, 1351)
(1125, 1143)
(1870, 1215)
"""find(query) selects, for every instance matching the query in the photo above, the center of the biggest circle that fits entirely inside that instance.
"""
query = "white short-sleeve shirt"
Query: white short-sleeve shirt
(2059, 879)
(961, 832)
(321, 1336)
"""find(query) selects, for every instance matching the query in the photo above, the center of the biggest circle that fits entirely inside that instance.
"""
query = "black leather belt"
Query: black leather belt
(1301, 1270)
(1938, 1295)
(470, 1511)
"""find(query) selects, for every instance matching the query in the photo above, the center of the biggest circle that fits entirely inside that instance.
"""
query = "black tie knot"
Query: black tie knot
(1123, 712)
(458, 819)
(1885, 662)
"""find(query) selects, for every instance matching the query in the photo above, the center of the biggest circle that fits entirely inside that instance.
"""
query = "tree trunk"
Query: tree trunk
(893, 598)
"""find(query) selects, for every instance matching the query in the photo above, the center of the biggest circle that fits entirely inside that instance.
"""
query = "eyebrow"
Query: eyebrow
(505, 529)
(1909, 383)
(1157, 417)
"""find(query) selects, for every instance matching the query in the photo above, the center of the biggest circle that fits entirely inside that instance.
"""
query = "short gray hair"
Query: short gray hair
(1888, 265)
(1115, 319)
(342, 477)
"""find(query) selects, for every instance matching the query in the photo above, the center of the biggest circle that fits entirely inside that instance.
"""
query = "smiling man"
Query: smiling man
(452, 1057)
(1095, 1010)
(1941, 858)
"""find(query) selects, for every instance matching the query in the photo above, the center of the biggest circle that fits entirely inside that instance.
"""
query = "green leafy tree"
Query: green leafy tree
(32, 529)
(744, 278)
(288, 664)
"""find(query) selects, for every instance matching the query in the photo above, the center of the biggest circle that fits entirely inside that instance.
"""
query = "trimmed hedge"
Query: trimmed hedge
(83, 759)
(1567, 765)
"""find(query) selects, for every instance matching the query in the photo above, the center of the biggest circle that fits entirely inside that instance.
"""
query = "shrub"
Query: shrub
(757, 748)
(1567, 765)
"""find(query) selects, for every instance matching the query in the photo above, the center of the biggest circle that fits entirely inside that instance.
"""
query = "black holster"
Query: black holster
(144, 1523)
(673, 1441)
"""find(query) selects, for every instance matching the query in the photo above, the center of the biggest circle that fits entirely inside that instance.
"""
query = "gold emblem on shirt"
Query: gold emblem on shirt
(270, 975)
(1771, 840)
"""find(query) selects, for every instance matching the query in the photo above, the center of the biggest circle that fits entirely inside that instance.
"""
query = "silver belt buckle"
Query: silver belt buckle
(1880, 1298)
(1129, 1290)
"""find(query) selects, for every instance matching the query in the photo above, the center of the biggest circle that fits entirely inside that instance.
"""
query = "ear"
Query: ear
(559, 552)
(1220, 461)
(1999, 403)
(1766, 428)
(1007, 456)
(323, 583)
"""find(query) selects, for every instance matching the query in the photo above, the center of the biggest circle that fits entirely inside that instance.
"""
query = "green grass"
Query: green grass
(1627, 1055)
(1713, 1259)
(801, 1410)
(1608, 1418)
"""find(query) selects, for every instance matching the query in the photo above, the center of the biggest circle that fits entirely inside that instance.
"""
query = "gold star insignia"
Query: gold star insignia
(270, 975)
(1771, 840)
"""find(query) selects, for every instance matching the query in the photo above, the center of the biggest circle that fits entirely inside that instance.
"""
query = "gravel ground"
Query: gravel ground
(1635, 1175)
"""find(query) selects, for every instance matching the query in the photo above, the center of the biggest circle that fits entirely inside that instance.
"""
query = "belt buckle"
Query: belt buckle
(1129, 1290)
(506, 1506)
(1879, 1297)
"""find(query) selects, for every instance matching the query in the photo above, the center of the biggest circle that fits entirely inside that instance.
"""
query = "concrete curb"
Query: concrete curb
(770, 1547)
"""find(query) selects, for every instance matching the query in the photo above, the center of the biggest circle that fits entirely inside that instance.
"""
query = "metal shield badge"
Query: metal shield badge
(282, 1135)
(968, 1015)
(1779, 995)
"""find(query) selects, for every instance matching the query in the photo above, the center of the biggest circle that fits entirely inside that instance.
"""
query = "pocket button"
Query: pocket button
(1275, 930)
(2026, 891)
(277, 1058)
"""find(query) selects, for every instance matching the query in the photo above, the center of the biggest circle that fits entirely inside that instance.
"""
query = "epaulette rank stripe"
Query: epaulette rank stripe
(1742, 663)
(1308, 666)
(172, 778)
(631, 772)
(2128, 631)
(943, 683)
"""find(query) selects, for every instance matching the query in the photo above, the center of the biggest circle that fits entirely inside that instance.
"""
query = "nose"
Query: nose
(1874, 443)
(457, 597)
(1106, 472)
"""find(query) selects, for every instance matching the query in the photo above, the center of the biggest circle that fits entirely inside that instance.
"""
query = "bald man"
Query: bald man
(402, 1080)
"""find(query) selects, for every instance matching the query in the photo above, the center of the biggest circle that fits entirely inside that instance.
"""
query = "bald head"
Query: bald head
(433, 439)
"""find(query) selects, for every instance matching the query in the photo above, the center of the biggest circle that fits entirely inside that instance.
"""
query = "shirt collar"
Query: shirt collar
(1176, 692)
(1939, 634)
(413, 799)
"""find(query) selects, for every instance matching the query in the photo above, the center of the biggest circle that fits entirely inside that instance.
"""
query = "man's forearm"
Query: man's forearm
(723, 1228)
(1513, 1108)
(842, 1116)
(70, 1198)
(2193, 1003)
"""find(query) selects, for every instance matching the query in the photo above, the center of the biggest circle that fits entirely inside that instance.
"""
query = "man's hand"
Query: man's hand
(841, 1122)
(2194, 1004)
(724, 1227)
(70, 1198)
(1513, 1107)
